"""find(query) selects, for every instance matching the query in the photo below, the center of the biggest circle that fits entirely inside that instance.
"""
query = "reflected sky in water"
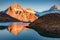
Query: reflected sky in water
(10, 23)
(5, 23)
(24, 35)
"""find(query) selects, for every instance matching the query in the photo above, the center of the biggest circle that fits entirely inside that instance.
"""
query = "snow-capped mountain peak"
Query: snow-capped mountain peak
(54, 7)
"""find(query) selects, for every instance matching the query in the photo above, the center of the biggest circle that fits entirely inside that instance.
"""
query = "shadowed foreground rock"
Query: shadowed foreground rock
(47, 25)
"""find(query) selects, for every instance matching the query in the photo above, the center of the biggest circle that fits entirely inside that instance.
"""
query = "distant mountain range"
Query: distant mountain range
(15, 13)
(53, 9)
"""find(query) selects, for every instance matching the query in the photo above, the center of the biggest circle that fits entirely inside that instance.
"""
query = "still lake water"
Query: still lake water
(24, 35)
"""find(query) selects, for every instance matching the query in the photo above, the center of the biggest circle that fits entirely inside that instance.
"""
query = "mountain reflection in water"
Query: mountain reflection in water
(15, 27)
(20, 33)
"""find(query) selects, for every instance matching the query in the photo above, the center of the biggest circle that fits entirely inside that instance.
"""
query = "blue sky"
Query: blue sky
(37, 5)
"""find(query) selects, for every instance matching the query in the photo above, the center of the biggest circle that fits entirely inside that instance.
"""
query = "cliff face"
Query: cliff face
(26, 15)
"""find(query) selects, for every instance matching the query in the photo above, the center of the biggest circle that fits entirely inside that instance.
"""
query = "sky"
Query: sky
(36, 5)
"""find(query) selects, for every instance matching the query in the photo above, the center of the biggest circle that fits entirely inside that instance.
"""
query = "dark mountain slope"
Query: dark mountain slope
(6, 18)
(47, 25)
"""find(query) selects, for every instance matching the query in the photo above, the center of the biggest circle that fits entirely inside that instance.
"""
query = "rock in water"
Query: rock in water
(47, 25)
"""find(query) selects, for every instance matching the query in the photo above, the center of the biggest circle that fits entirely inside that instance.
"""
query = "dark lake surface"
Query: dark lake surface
(24, 35)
